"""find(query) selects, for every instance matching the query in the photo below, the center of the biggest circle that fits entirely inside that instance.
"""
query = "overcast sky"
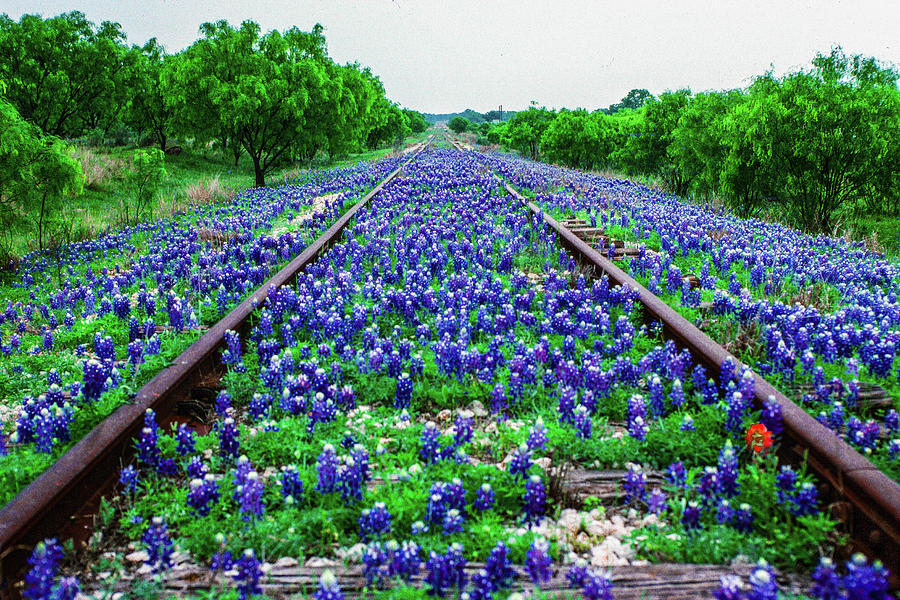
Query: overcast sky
(444, 56)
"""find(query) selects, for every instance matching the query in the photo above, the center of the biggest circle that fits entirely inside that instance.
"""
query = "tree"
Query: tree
(36, 173)
(577, 139)
(63, 74)
(415, 121)
(828, 136)
(146, 176)
(650, 149)
(459, 124)
(524, 130)
(149, 108)
(632, 100)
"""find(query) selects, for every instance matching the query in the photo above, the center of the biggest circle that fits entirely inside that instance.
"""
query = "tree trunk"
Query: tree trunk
(260, 175)
(162, 140)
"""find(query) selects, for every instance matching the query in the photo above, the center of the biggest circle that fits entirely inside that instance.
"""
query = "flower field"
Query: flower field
(817, 316)
(80, 332)
(426, 395)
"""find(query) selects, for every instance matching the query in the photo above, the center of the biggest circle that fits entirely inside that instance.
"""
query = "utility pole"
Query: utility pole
(501, 113)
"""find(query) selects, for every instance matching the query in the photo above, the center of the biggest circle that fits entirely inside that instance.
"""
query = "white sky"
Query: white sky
(438, 56)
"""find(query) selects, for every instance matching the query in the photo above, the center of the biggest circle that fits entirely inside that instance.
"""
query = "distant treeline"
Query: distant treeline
(807, 148)
(277, 96)
(470, 115)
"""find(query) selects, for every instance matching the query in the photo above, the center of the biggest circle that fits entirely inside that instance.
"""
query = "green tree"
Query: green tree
(524, 130)
(650, 150)
(578, 139)
(36, 174)
(632, 100)
(149, 108)
(415, 121)
(146, 176)
(827, 136)
(459, 124)
(64, 74)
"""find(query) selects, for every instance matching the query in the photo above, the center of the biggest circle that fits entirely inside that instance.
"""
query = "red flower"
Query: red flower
(759, 439)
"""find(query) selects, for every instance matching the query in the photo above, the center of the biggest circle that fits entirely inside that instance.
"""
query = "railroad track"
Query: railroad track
(62, 501)
(864, 499)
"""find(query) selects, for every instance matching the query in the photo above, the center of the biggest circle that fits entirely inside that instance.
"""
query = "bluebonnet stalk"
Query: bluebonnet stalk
(676, 474)
(499, 402)
(229, 439)
(687, 423)
(404, 391)
(430, 452)
(291, 484)
(656, 501)
(44, 561)
(637, 414)
(326, 467)
(249, 572)
(582, 421)
(535, 500)
(520, 462)
(374, 522)
(186, 442)
(158, 545)
(690, 517)
(597, 586)
(453, 522)
(328, 588)
(538, 562)
(203, 494)
(728, 471)
(771, 416)
(128, 477)
(446, 571)
(484, 497)
(499, 567)
(634, 484)
(537, 435)
(743, 518)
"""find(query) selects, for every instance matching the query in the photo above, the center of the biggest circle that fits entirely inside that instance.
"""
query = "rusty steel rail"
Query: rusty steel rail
(47, 506)
(866, 500)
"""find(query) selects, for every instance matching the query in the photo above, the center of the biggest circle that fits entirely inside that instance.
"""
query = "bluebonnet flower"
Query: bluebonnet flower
(657, 502)
(521, 462)
(771, 416)
(597, 586)
(805, 500)
(404, 560)
(229, 439)
(482, 587)
(577, 573)
(634, 484)
(248, 490)
(762, 582)
(826, 581)
(737, 409)
(196, 469)
(676, 396)
(637, 414)
(326, 467)
(353, 473)
(223, 403)
(44, 562)
(453, 522)
(446, 571)
(538, 562)
(374, 522)
(863, 580)
(158, 545)
(728, 471)
(537, 435)
(499, 402)
(186, 442)
(892, 421)
(743, 518)
(404, 391)
(535, 500)
(687, 423)
(676, 474)
(582, 421)
(725, 512)
(374, 561)
(291, 484)
(430, 452)
(203, 494)
(249, 572)
(894, 449)
(730, 588)
(499, 567)
(690, 517)
(484, 497)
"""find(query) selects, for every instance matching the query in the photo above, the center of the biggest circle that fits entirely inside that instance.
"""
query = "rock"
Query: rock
(137, 557)
(570, 520)
(444, 415)
(145, 570)
(353, 554)
(465, 413)
(632, 514)
(597, 528)
(600, 556)
(543, 462)
(477, 408)
(319, 562)
(285, 562)
(491, 428)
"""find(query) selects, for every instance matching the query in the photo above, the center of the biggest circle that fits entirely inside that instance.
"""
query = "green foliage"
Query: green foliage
(36, 173)
(149, 109)
(578, 139)
(459, 124)
(415, 121)
(632, 100)
(64, 74)
(524, 130)
(146, 176)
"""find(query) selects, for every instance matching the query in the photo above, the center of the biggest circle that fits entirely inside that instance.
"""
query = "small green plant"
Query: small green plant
(146, 176)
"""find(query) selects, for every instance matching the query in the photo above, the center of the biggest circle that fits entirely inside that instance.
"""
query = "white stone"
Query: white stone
(478, 408)
(543, 462)
(596, 528)
(570, 520)
(444, 415)
(317, 561)
(286, 562)
(145, 570)
(465, 413)
(138, 557)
